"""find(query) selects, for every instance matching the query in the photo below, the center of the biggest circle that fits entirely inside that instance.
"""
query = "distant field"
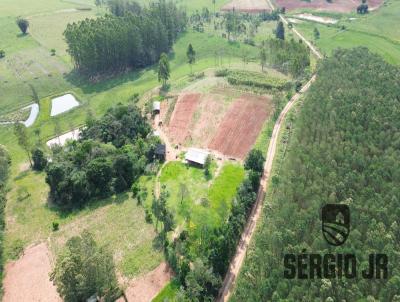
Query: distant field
(342, 6)
(378, 31)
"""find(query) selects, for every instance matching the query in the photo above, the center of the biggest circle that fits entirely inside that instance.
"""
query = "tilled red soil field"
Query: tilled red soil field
(247, 6)
(240, 127)
(178, 128)
(340, 6)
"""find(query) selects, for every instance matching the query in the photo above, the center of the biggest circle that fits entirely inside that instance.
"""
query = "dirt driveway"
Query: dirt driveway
(27, 279)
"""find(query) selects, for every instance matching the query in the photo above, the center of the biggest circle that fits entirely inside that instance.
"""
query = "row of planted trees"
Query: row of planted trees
(130, 38)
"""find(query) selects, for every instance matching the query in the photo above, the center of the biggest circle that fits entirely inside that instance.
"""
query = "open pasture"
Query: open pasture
(376, 31)
(339, 6)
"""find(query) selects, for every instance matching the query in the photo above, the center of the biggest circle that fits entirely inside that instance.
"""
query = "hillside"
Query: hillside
(344, 149)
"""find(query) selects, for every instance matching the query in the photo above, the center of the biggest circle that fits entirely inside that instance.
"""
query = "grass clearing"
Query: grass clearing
(115, 221)
(205, 202)
(168, 293)
(48, 29)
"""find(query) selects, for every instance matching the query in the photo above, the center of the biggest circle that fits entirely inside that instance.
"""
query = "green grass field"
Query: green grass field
(29, 220)
(168, 293)
(207, 202)
(378, 31)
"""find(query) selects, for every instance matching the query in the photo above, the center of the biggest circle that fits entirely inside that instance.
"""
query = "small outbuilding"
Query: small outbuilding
(160, 152)
(156, 107)
(197, 157)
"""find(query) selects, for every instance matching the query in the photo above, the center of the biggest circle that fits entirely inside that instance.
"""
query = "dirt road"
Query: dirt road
(237, 261)
(309, 44)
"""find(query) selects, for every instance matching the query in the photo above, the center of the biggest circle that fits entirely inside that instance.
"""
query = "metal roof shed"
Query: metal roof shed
(196, 156)
(156, 106)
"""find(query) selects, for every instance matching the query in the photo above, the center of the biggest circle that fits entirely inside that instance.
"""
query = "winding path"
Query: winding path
(238, 259)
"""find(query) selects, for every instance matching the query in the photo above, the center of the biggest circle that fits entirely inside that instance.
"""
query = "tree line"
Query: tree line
(132, 37)
(5, 162)
(344, 149)
(110, 155)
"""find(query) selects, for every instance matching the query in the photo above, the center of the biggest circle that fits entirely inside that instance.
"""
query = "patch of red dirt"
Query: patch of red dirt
(145, 288)
(27, 279)
(340, 6)
(211, 112)
(181, 118)
(247, 6)
(241, 126)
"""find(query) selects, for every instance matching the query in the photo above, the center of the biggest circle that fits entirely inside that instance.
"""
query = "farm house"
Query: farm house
(196, 157)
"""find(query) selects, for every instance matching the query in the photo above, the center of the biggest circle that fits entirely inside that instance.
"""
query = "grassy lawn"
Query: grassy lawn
(378, 31)
(168, 293)
(115, 221)
(48, 29)
(206, 202)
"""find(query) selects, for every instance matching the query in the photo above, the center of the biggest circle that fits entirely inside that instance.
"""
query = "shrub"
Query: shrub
(255, 79)
(53, 52)
(23, 25)
(55, 226)
(39, 160)
(221, 72)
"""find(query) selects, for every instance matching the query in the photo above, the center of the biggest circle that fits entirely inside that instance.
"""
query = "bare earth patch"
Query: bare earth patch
(206, 120)
(145, 288)
(310, 17)
(247, 6)
(181, 118)
(241, 125)
(340, 6)
(27, 279)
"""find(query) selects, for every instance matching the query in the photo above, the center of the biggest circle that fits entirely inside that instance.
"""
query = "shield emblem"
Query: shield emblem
(336, 223)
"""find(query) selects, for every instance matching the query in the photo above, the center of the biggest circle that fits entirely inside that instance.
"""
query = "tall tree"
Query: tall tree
(23, 139)
(23, 25)
(191, 55)
(84, 269)
(316, 33)
(280, 31)
(163, 69)
(263, 58)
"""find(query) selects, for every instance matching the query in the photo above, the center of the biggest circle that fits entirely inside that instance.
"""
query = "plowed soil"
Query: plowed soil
(247, 6)
(340, 6)
(240, 127)
(178, 128)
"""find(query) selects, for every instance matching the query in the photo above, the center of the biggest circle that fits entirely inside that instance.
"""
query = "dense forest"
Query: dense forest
(111, 154)
(132, 37)
(344, 149)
